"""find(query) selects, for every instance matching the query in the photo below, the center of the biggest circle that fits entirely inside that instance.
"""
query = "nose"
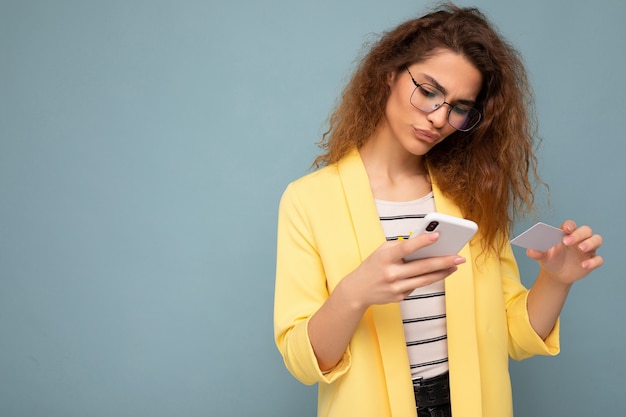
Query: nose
(439, 117)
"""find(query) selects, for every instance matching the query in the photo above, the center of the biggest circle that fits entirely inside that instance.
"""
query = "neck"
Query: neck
(387, 158)
(394, 174)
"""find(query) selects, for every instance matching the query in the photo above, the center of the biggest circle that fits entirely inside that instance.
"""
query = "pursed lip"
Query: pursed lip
(427, 135)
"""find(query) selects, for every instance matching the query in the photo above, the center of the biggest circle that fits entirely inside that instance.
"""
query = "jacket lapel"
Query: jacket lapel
(461, 321)
(360, 201)
(387, 318)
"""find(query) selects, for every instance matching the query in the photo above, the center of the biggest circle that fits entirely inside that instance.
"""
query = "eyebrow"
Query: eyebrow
(434, 82)
(440, 87)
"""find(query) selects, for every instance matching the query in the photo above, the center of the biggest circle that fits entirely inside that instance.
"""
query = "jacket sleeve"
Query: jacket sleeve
(300, 290)
(523, 340)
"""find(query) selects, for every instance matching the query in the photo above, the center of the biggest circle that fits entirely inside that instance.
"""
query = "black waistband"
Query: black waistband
(432, 392)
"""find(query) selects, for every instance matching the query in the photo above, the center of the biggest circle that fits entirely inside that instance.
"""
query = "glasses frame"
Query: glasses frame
(450, 106)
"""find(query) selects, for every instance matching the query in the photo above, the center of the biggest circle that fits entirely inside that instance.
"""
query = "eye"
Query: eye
(461, 110)
(428, 91)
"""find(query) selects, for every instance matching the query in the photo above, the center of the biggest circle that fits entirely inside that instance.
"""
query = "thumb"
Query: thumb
(535, 254)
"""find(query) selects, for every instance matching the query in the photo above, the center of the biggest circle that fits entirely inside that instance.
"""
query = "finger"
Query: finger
(578, 235)
(423, 280)
(535, 254)
(408, 246)
(591, 245)
(593, 263)
(421, 267)
(568, 226)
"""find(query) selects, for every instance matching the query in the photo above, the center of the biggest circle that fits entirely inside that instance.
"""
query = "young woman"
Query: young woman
(437, 117)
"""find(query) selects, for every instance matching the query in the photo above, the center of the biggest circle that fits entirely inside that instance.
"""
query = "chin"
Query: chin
(419, 149)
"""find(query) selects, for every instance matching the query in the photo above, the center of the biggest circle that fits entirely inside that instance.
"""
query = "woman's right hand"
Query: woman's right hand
(384, 277)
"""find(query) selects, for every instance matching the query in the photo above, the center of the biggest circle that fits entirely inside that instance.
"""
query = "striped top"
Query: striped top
(424, 311)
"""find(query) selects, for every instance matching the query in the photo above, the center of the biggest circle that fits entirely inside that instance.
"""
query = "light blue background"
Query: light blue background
(144, 146)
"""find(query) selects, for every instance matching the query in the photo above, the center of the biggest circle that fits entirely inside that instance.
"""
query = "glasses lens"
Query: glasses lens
(463, 118)
(428, 98)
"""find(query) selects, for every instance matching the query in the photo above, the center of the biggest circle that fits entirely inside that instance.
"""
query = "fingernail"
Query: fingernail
(567, 240)
(433, 236)
(459, 260)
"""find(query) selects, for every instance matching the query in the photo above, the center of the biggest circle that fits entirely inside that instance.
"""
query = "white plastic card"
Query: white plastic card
(539, 237)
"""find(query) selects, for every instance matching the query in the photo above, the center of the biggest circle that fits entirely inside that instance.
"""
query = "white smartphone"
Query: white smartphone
(454, 233)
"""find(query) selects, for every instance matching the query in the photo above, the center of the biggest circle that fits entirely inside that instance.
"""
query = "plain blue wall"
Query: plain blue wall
(144, 146)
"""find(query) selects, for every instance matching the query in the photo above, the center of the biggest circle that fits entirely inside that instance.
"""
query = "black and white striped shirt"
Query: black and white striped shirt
(424, 311)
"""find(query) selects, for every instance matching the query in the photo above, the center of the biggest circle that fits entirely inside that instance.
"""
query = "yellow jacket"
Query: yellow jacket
(328, 224)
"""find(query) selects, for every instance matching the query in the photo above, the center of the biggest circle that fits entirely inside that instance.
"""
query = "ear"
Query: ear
(392, 77)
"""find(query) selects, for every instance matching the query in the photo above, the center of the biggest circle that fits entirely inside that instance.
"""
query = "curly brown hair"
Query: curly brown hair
(485, 171)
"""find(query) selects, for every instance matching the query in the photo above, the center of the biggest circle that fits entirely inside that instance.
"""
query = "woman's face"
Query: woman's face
(414, 130)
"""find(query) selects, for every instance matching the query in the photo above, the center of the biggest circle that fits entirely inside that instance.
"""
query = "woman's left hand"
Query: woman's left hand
(574, 258)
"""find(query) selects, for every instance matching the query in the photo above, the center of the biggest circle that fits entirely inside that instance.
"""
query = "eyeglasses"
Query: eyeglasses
(428, 98)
